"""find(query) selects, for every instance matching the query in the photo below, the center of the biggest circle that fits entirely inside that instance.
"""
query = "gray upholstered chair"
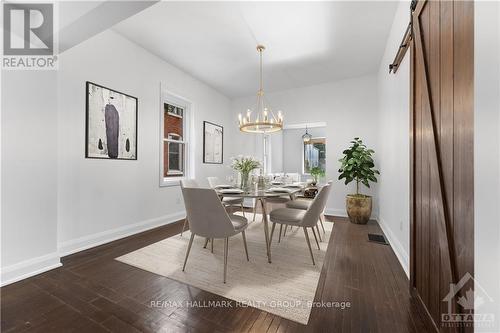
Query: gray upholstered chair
(187, 183)
(227, 201)
(208, 218)
(273, 201)
(302, 218)
(304, 205)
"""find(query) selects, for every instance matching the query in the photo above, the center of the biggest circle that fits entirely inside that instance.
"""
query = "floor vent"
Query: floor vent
(377, 239)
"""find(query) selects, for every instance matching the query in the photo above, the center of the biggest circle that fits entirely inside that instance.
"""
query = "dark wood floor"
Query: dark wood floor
(94, 293)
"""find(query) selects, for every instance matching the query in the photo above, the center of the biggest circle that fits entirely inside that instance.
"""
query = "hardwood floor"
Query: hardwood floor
(92, 292)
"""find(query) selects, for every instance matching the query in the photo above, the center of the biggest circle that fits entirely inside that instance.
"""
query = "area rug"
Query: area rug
(286, 287)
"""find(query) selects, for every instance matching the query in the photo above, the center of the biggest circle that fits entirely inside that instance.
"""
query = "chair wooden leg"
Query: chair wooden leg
(321, 221)
(309, 244)
(212, 244)
(226, 245)
(184, 225)
(319, 236)
(281, 229)
(243, 210)
(188, 250)
(206, 243)
(272, 232)
(316, 238)
(245, 243)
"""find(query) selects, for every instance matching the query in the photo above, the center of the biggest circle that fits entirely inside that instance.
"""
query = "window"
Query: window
(314, 154)
(174, 110)
(175, 154)
(266, 163)
(173, 124)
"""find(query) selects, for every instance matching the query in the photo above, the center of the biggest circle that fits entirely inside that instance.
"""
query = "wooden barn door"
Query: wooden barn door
(442, 107)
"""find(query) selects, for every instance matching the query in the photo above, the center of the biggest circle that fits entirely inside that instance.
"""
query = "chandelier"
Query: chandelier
(264, 120)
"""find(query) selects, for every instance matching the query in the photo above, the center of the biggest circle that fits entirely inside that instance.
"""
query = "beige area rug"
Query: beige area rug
(286, 287)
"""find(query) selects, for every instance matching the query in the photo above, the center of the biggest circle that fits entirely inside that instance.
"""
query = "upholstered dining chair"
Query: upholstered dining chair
(187, 183)
(208, 218)
(281, 200)
(227, 201)
(302, 218)
(304, 205)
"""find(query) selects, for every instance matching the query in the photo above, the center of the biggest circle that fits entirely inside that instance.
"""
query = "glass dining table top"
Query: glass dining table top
(266, 193)
(261, 196)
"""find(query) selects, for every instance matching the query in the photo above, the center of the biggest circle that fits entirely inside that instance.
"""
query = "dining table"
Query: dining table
(261, 196)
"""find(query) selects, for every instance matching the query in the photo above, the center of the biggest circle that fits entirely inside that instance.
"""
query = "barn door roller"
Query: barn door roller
(405, 42)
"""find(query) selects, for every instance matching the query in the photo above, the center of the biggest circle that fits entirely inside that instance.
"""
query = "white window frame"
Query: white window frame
(187, 139)
(266, 153)
(174, 172)
(304, 155)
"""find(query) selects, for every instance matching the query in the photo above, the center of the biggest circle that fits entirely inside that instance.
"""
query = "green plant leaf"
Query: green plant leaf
(358, 164)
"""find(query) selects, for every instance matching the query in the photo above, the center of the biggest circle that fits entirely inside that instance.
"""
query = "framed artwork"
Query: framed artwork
(111, 124)
(213, 143)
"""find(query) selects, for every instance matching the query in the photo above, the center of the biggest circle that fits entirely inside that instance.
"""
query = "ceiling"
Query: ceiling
(307, 42)
(80, 20)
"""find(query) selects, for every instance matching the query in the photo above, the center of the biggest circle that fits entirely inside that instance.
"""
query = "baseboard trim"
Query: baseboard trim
(38, 265)
(341, 212)
(335, 212)
(87, 242)
(28, 268)
(396, 245)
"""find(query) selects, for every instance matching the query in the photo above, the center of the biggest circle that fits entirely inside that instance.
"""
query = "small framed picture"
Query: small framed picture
(111, 124)
(213, 143)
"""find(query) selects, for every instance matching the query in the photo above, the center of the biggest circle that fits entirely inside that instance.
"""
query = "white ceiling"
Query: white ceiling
(80, 20)
(307, 42)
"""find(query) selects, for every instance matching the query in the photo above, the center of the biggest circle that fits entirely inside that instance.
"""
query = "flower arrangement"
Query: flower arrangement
(244, 165)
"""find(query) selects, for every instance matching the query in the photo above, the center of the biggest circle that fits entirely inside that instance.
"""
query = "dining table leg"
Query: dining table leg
(266, 228)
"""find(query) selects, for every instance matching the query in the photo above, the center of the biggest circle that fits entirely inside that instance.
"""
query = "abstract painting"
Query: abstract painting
(212, 143)
(111, 124)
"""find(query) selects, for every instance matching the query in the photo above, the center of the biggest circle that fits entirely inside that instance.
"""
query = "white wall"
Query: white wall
(349, 108)
(29, 173)
(276, 151)
(394, 144)
(487, 156)
(103, 199)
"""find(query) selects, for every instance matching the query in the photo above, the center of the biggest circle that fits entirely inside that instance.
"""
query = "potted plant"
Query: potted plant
(316, 172)
(244, 165)
(357, 165)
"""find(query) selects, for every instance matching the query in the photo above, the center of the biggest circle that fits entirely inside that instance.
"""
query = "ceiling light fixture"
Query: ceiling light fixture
(306, 137)
(264, 120)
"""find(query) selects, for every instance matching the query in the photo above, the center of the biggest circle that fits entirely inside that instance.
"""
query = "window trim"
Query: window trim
(304, 154)
(188, 140)
(266, 153)
(174, 172)
(171, 139)
(175, 115)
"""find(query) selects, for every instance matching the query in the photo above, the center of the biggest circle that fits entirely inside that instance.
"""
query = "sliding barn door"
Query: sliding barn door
(442, 73)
